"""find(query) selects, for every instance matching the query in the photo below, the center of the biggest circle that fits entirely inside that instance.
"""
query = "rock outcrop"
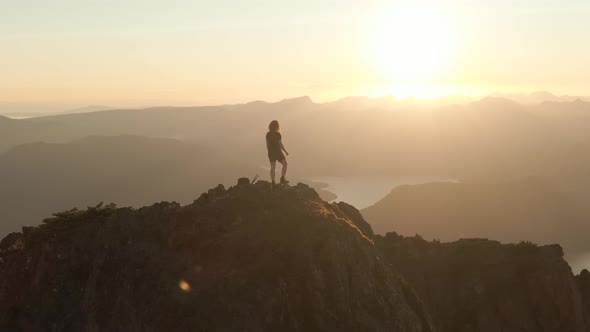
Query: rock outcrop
(248, 258)
(260, 258)
(482, 285)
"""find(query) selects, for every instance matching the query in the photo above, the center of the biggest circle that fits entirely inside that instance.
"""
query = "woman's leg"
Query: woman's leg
(273, 165)
(284, 170)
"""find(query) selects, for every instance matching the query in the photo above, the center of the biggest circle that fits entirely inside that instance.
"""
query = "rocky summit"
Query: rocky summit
(260, 258)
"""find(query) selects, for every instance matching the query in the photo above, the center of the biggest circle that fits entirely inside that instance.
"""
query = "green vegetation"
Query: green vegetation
(92, 212)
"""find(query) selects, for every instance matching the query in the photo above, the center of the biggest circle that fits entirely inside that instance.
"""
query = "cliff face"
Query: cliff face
(253, 258)
(244, 259)
(482, 285)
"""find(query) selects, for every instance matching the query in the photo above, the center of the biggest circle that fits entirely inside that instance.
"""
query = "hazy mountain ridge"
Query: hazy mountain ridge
(6, 110)
(540, 97)
(40, 178)
(509, 211)
(353, 136)
(302, 263)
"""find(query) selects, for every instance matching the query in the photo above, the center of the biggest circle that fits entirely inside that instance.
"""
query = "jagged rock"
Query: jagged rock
(356, 218)
(217, 191)
(482, 285)
(243, 181)
(11, 241)
(250, 258)
(26, 229)
(306, 191)
(583, 280)
(259, 257)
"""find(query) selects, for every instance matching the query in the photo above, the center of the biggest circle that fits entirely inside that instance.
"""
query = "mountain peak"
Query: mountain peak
(543, 95)
(496, 102)
(252, 258)
(297, 101)
(258, 257)
(301, 196)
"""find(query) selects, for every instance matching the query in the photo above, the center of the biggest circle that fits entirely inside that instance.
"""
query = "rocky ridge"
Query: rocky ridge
(258, 258)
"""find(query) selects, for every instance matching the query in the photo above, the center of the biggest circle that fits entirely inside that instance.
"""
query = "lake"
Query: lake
(364, 191)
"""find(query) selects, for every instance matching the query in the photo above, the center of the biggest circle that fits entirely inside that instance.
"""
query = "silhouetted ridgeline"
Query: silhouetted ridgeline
(509, 211)
(254, 259)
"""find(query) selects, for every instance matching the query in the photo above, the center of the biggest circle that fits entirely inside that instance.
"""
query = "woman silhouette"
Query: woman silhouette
(275, 147)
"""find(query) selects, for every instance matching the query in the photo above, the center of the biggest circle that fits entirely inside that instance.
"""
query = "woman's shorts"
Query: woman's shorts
(277, 156)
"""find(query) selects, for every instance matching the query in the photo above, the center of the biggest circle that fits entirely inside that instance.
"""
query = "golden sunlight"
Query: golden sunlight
(411, 45)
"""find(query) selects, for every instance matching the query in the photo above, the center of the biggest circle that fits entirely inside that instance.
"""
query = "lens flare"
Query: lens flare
(185, 286)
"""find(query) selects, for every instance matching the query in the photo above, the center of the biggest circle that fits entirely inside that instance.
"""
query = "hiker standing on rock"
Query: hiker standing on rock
(275, 147)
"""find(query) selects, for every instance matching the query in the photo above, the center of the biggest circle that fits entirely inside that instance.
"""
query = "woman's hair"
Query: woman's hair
(274, 126)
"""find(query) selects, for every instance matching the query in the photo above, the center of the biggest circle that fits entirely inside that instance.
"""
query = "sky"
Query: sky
(72, 53)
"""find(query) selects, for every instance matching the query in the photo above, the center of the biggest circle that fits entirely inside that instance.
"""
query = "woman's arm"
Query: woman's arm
(283, 147)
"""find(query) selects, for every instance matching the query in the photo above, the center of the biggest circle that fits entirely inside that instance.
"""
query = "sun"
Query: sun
(411, 45)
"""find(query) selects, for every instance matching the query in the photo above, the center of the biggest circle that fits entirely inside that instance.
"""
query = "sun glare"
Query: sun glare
(411, 45)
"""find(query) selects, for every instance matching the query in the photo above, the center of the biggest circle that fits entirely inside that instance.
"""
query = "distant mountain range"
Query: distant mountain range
(540, 97)
(493, 136)
(508, 211)
(24, 110)
(40, 178)
(28, 113)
